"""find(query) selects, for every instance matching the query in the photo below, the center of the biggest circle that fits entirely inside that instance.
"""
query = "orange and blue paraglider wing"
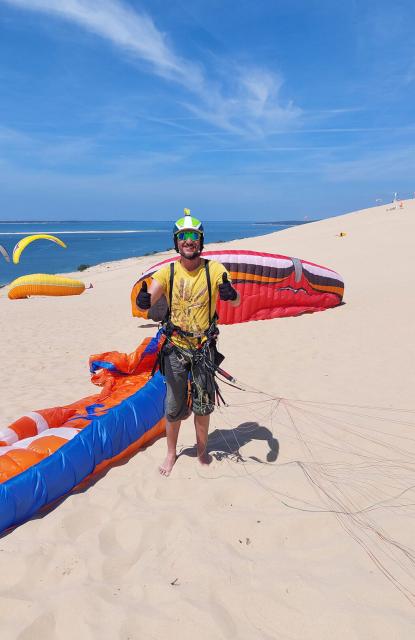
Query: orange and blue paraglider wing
(46, 453)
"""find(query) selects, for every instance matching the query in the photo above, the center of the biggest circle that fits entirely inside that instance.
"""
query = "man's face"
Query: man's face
(189, 244)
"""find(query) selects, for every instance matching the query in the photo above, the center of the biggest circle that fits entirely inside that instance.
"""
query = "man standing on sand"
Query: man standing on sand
(191, 286)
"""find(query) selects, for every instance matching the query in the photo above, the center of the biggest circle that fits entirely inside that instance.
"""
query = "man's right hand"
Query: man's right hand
(143, 299)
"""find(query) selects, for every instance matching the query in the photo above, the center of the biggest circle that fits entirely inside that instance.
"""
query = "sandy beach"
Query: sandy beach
(303, 525)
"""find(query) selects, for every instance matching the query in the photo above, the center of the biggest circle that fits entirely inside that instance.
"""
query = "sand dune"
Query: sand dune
(301, 528)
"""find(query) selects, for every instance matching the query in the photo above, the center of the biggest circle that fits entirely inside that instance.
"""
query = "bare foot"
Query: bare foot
(168, 464)
(204, 458)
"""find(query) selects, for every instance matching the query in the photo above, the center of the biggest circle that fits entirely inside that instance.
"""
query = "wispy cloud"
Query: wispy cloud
(336, 112)
(50, 152)
(142, 164)
(249, 106)
(397, 164)
(12, 136)
(252, 107)
(125, 28)
(268, 149)
(403, 129)
(47, 150)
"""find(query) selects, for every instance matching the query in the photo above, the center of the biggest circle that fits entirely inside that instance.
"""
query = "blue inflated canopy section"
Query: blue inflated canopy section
(105, 437)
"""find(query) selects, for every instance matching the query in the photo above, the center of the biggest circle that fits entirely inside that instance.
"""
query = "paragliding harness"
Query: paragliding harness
(205, 356)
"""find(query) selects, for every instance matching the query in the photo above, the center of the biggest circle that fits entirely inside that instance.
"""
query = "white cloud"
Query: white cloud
(250, 108)
(125, 28)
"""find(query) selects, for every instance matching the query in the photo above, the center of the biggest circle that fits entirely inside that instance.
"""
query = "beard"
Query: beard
(189, 254)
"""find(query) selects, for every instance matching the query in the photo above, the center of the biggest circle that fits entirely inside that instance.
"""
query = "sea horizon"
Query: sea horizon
(126, 220)
(93, 242)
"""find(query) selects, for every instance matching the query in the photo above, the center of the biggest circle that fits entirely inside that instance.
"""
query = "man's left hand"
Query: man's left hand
(226, 290)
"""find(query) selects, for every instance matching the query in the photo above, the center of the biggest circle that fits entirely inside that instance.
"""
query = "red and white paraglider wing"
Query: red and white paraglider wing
(274, 286)
(270, 285)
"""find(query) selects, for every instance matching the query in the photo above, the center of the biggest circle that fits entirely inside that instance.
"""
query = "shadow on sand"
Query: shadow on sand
(226, 443)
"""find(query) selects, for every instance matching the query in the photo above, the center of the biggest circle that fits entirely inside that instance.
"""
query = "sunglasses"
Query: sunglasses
(188, 235)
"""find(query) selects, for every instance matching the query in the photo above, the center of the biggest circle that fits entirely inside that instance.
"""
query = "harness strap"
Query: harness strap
(172, 328)
(209, 287)
(171, 287)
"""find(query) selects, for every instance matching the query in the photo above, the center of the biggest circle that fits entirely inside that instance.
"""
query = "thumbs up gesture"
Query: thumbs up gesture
(226, 290)
(143, 299)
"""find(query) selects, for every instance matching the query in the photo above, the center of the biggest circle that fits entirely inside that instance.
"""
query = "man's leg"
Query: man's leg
(176, 373)
(172, 432)
(203, 403)
(202, 430)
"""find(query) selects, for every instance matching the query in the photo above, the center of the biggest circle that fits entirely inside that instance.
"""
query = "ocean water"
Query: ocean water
(95, 242)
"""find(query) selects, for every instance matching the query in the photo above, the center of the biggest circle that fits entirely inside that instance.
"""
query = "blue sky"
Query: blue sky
(252, 110)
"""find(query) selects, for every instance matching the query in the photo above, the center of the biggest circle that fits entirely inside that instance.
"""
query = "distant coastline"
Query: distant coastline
(290, 223)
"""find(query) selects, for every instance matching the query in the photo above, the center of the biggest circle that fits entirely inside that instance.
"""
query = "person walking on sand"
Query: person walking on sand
(191, 286)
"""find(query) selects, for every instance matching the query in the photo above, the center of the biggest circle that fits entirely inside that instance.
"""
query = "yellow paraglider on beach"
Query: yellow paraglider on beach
(22, 244)
(42, 284)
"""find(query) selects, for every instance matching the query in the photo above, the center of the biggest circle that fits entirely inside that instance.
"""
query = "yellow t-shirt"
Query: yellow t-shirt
(190, 299)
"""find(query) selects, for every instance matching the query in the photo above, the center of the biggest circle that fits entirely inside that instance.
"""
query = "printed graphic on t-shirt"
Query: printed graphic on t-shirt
(185, 306)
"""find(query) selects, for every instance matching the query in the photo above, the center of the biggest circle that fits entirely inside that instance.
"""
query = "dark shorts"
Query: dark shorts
(176, 369)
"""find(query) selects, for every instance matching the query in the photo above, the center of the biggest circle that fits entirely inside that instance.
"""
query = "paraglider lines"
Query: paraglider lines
(358, 488)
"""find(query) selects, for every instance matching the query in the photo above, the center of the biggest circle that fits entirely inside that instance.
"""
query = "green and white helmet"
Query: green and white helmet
(187, 223)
